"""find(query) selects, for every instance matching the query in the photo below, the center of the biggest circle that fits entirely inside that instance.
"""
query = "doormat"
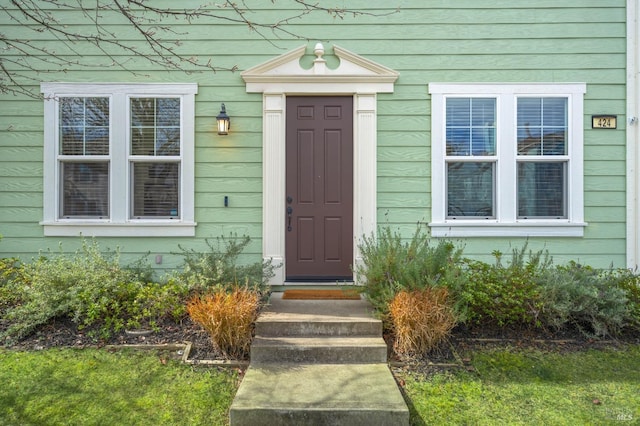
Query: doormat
(321, 295)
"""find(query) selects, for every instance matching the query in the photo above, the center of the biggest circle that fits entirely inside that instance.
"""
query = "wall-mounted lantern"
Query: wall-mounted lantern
(224, 122)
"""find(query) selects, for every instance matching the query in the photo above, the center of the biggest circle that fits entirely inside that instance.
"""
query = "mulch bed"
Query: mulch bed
(65, 333)
(451, 354)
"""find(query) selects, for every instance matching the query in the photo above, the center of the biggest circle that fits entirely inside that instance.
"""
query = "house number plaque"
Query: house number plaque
(604, 121)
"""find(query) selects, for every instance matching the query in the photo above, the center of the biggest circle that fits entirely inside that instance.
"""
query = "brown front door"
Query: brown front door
(319, 188)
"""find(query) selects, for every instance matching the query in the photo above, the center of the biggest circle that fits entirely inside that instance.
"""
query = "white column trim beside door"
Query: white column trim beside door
(273, 182)
(365, 174)
(283, 76)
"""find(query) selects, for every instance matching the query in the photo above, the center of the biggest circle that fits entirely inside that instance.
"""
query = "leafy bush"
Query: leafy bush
(421, 319)
(585, 298)
(630, 284)
(92, 289)
(219, 266)
(504, 294)
(12, 281)
(227, 316)
(390, 265)
(134, 304)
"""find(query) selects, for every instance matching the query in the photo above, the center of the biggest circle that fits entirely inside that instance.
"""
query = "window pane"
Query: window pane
(85, 190)
(84, 126)
(541, 190)
(143, 112)
(168, 112)
(542, 126)
(470, 189)
(142, 140)
(471, 126)
(168, 141)
(156, 190)
(155, 126)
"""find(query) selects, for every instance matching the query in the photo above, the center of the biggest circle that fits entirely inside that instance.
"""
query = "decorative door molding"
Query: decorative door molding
(283, 76)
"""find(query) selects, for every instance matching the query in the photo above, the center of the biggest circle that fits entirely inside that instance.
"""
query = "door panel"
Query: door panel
(319, 187)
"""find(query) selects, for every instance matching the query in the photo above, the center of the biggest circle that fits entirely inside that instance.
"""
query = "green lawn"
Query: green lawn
(532, 388)
(98, 387)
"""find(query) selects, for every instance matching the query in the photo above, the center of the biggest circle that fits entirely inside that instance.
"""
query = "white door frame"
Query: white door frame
(283, 76)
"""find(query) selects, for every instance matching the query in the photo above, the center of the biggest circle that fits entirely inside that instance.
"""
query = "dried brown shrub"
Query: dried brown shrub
(228, 317)
(421, 320)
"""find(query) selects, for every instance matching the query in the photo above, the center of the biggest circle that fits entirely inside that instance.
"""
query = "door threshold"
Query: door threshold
(316, 285)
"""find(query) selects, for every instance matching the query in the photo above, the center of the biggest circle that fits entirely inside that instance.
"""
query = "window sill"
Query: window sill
(516, 229)
(160, 228)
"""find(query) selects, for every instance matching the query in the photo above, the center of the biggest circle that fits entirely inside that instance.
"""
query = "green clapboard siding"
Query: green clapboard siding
(434, 41)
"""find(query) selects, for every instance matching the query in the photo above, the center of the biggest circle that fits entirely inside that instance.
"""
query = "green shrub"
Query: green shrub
(13, 279)
(585, 298)
(132, 304)
(219, 266)
(391, 264)
(629, 282)
(94, 290)
(500, 294)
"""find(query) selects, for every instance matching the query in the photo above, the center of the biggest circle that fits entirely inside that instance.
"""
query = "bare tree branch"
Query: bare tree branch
(23, 59)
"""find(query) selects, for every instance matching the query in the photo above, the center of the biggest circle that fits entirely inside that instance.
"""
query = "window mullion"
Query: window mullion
(506, 182)
(119, 150)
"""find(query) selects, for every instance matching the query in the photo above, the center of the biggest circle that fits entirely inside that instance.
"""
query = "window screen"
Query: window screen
(85, 189)
(155, 189)
(470, 189)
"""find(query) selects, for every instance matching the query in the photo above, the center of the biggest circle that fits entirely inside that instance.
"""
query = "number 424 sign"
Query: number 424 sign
(604, 121)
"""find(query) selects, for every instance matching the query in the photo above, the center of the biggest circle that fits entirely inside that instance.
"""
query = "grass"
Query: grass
(527, 387)
(98, 387)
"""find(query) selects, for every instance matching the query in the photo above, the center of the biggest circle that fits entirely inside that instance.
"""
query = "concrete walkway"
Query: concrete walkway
(318, 363)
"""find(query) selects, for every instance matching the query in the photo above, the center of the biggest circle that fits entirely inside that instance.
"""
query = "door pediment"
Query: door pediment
(354, 74)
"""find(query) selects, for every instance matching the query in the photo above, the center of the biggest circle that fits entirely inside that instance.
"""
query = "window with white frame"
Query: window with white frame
(119, 159)
(507, 159)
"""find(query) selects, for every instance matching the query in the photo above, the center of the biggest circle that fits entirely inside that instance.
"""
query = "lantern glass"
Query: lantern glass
(224, 122)
(223, 126)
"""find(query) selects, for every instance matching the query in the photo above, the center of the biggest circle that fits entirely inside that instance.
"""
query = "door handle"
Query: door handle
(289, 213)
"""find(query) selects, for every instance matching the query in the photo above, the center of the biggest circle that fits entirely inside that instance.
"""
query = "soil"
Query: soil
(453, 353)
(65, 333)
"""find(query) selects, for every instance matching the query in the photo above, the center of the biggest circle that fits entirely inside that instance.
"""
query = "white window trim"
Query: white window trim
(506, 223)
(120, 223)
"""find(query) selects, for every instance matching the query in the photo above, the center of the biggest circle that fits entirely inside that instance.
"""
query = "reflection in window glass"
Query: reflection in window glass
(542, 126)
(155, 190)
(84, 126)
(541, 190)
(470, 189)
(85, 189)
(471, 126)
(155, 126)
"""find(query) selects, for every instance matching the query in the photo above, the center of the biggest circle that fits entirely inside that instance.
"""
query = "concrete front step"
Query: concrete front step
(323, 350)
(318, 394)
(318, 362)
(266, 326)
(317, 318)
